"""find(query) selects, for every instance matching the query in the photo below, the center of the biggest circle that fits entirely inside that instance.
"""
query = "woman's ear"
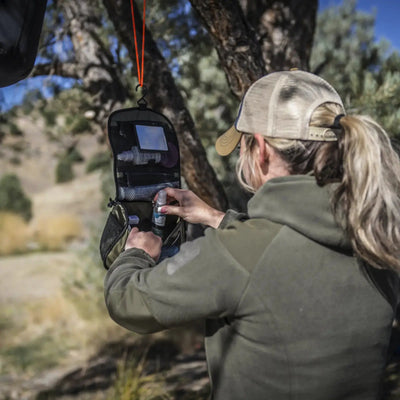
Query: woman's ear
(263, 154)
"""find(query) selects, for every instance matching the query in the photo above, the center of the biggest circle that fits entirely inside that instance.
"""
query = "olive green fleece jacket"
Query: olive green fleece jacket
(289, 312)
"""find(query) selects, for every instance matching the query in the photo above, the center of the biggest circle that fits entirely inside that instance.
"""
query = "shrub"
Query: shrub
(13, 197)
(50, 117)
(74, 155)
(15, 160)
(100, 160)
(30, 99)
(64, 172)
(79, 125)
(14, 234)
(55, 232)
(14, 130)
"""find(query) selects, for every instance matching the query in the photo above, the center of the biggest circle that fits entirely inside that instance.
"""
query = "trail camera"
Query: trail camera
(146, 160)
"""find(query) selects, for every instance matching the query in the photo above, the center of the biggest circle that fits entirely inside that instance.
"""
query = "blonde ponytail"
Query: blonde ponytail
(366, 169)
(367, 199)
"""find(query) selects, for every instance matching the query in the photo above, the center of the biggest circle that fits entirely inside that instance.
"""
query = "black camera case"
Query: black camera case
(146, 159)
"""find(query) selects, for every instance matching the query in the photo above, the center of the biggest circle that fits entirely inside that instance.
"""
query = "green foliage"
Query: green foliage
(13, 197)
(101, 160)
(50, 117)
(381, 100)
(74, 155)
(79, 125)
(63, 114)
(8, 125)
(14, 130)
(366, 76)
(18, 147)
(72, 104)
(30, 99)
(64, 171)
(15, 160)
(42, 353)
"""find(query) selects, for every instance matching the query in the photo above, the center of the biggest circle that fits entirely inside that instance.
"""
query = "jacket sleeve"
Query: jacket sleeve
(202, 281)
(232, 216)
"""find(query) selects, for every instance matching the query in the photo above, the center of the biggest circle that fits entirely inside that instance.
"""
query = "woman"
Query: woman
(298, 297)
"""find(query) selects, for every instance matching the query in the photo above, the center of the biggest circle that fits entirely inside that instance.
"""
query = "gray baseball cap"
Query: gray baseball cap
(280, 105)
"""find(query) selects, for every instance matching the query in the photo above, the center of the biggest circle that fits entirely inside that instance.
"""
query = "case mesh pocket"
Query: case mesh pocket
(115, 233)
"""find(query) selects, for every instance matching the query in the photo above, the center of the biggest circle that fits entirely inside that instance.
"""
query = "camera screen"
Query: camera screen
(151, 138)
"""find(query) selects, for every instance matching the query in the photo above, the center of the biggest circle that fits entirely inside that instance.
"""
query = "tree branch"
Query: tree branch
(65, 70)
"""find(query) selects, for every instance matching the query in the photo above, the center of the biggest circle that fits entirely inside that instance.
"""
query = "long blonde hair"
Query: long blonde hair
(366, 201)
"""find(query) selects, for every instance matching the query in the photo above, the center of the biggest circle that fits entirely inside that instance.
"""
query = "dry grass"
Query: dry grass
(14, 234)
(49, 233)
(132, 384)
(56, 231)
(46, 333)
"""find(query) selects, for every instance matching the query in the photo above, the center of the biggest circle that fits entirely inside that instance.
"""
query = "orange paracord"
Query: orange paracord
(140, 69)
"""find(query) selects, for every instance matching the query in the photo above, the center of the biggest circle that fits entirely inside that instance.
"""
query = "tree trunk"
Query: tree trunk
(94, 61)
(254, 37)
(164, 96)
(235, 41)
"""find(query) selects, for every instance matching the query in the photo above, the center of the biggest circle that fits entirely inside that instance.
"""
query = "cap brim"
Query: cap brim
(228, 141)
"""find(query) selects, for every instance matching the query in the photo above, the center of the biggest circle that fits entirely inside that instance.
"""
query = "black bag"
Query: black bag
(20, 27)
(146, 160)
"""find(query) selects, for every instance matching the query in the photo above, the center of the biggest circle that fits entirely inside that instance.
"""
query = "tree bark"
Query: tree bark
(254, 37)
(164, 96)
(235, 41)
(66, 70)
(94, 61)
(285, 29)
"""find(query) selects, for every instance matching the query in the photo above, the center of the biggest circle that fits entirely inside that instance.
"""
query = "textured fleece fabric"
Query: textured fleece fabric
(289, 312)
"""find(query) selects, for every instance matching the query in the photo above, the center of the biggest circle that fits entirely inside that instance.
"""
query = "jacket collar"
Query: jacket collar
(298, 202)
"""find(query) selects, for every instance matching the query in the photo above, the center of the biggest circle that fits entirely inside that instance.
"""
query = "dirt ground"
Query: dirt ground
(30, 277)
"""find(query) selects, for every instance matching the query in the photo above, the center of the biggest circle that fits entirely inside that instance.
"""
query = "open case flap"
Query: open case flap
(146, 159)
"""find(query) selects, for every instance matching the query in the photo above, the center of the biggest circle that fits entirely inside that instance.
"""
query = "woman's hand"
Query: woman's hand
(147, 241)
(191, 208)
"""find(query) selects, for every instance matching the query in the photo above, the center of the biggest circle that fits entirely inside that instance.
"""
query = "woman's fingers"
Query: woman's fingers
(191, 208)
(175, 194)
(173, 210)
(147, 241)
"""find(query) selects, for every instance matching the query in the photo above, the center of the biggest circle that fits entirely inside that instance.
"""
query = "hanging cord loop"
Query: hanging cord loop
(139, 65)
(142, 101)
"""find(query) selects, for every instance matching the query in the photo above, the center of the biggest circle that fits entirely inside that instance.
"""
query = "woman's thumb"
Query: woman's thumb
(171, 210)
